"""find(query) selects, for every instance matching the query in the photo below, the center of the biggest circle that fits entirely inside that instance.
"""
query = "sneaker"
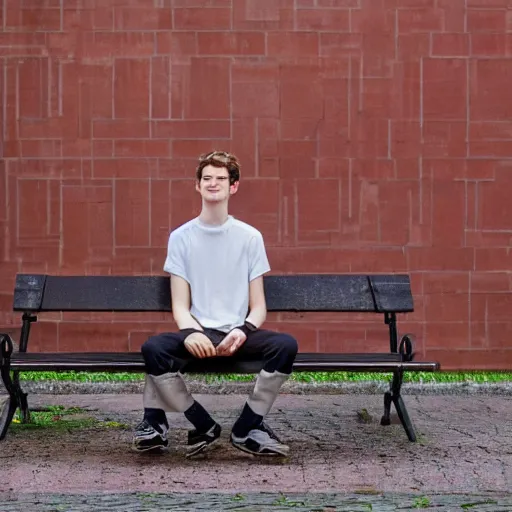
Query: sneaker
(146, 437)
(260, 441)
(198, 443)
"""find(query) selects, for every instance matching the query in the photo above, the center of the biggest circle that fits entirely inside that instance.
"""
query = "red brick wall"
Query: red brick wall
(375, 136)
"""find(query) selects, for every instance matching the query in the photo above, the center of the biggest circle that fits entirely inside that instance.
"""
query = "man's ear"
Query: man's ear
(234, 188)
(197, 186)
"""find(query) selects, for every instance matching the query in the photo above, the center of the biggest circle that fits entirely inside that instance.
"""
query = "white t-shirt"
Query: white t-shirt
(218, 262)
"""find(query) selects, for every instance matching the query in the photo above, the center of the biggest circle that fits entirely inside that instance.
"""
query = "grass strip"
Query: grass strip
(310, 377)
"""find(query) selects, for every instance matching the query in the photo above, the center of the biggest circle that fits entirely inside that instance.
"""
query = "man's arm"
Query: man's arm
(180, 293)
(257, 302)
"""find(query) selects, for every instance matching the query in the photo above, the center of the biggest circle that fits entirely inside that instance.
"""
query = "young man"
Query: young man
(216, 264)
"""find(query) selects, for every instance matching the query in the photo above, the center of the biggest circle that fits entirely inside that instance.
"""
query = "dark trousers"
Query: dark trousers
(166, 352)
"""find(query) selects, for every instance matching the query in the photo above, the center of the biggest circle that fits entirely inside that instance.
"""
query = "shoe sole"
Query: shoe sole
(150, 449)
(259, 454)
(202, 447)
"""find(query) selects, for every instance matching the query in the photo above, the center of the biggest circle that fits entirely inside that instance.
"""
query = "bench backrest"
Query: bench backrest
(311, 292)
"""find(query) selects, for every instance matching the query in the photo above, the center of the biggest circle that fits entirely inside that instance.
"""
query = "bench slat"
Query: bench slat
(314, 292)
(134, 362)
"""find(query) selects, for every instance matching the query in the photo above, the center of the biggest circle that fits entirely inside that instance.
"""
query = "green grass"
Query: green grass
(58, 416)
(311, 377)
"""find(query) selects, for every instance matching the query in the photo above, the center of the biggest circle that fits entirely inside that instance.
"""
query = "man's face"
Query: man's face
(214, 186)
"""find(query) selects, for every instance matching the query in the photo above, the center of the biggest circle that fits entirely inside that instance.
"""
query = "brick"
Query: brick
(420, 20)
(395, 217)
(493, 259)
(441, 283)
(336, 44)
(105, 45)
(208, 99)
(482, 20)
(231, 43)
(286, 44)
(32, 83)
(480, 169)
(176, 43)
(489, 93)
(45, 148)
(413, 46)
(406, 84)
(444, 139)
(444, 88)
(121, 129)
(454, 14)
(376, 18)
(301, 99)
(499, 335)
(196, 18)
(185, 202)
(97, 18)
(451, 45)
(95, 89)
(86, 210)
(448, 213)
(490, 282)
(124, 168)
(160, 212)
(297, 158)
(254, 70)
(92, 337)
(489, 149)
(255, 99)
(160, 88)
(137, 18)
(486, 45)
(472, 359)
(439, 169)
(142, 148)
(131, 211)
(257, 202)
(405, 139)
(447, 334)
(192, 148)
(371, 138)
(33, 218)
(495, 207)
(332, 20)
(345, 339)
(178, 129)
(440, 258)
(318, 205)
(131, 88)
(263, 15)
(266, 146)
(498, 307)
(379, 53)
(308, 260)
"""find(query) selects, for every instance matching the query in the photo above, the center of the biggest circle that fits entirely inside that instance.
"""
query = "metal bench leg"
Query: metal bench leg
(21, 398)
(11, 404)
(393, 396)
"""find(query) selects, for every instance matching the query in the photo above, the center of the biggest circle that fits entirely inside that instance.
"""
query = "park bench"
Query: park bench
(383, 294)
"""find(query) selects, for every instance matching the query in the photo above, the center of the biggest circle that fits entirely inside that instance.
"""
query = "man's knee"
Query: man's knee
(288, 345)
(151, 347)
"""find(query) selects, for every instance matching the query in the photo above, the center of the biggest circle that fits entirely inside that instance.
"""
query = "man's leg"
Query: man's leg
(166, 391)
(278, 351)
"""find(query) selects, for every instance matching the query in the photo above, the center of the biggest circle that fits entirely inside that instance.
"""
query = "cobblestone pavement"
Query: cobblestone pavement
(321, 502)
(463, 456)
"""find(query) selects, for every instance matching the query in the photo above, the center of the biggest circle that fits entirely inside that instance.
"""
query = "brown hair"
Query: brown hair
(220, 159)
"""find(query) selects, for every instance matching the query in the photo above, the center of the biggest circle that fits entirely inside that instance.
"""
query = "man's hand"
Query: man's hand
(199, 345)
(231, 343)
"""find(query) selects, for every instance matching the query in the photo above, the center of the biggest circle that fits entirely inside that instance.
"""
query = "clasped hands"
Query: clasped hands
(200, 346)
